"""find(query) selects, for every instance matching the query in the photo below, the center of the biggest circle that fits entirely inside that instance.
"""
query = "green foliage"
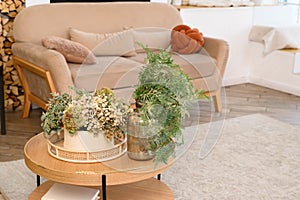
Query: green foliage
(174, 79)
(52, 119)
(162, 97)
(94, 112)
(159, 105)
(163, 57)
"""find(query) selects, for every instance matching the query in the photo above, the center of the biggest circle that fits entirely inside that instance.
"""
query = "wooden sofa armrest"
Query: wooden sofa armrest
(219, 50)
(42, 71)
(47, 59)
(32, 94)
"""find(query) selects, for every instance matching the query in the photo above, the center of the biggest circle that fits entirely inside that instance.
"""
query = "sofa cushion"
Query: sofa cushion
(152, 37)
(195, 65)
(113, 44)
(72, 51)
(110, 71)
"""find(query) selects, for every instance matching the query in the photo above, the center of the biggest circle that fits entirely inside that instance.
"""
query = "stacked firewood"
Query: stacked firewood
(13, 92)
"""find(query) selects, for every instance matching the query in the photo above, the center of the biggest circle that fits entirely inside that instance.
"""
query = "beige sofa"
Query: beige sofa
(43, 70)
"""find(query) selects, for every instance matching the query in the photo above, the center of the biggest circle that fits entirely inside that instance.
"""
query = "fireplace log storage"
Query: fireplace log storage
(12, 96)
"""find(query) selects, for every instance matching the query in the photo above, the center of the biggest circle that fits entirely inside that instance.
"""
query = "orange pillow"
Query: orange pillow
(186, 40)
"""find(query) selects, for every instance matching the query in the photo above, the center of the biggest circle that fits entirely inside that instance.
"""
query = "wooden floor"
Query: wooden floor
(239, 100)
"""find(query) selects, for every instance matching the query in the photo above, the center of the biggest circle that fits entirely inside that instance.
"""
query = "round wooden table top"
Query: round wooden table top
(121, 170)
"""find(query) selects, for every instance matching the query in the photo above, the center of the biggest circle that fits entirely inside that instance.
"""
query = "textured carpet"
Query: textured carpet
(16, 180)
(255, 157)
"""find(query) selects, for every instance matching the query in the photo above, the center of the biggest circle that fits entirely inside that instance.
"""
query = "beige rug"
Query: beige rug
(256, 157)
(16, 180)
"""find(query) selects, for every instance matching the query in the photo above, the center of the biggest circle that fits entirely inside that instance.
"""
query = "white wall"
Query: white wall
(275, 15)
(277, 69)
(230, 24)
(35, 2)
(246, 61)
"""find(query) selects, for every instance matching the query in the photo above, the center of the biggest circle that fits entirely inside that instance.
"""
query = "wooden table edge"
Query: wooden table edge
(149, 189)
(83, 178)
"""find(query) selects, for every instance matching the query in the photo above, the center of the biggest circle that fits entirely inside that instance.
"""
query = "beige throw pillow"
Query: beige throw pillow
(72, 51)
(106, 44)
(152, 37)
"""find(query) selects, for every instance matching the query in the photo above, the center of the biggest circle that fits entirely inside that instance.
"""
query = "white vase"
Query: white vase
(86, 141)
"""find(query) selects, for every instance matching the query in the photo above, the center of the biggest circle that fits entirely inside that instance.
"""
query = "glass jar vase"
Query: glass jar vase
(139, 136)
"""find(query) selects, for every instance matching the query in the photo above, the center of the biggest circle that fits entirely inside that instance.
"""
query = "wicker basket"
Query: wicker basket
(56, 149)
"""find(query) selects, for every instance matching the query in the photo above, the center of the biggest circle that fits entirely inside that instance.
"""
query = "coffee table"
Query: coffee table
(122, 176)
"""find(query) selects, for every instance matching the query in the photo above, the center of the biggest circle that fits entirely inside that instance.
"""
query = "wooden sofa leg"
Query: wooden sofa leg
(26, 108)
(217, 101)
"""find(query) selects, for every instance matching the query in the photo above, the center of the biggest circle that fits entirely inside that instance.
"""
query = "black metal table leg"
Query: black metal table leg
(103, 187)
(3, 124)
(158, 176)
(38, 180)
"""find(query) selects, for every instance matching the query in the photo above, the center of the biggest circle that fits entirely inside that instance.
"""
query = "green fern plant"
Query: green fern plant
(162, 96)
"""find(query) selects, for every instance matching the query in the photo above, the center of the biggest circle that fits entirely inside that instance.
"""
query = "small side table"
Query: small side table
(135, 183)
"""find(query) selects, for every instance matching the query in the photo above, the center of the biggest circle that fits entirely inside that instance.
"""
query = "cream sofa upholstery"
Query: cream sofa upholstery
(43, 71)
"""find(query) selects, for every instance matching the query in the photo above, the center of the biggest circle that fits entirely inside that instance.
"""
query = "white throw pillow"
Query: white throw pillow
(282, 37)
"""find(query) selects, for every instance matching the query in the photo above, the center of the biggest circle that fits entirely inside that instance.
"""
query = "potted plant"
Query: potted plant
(153, 129)
(93, 114)
(162, 99)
